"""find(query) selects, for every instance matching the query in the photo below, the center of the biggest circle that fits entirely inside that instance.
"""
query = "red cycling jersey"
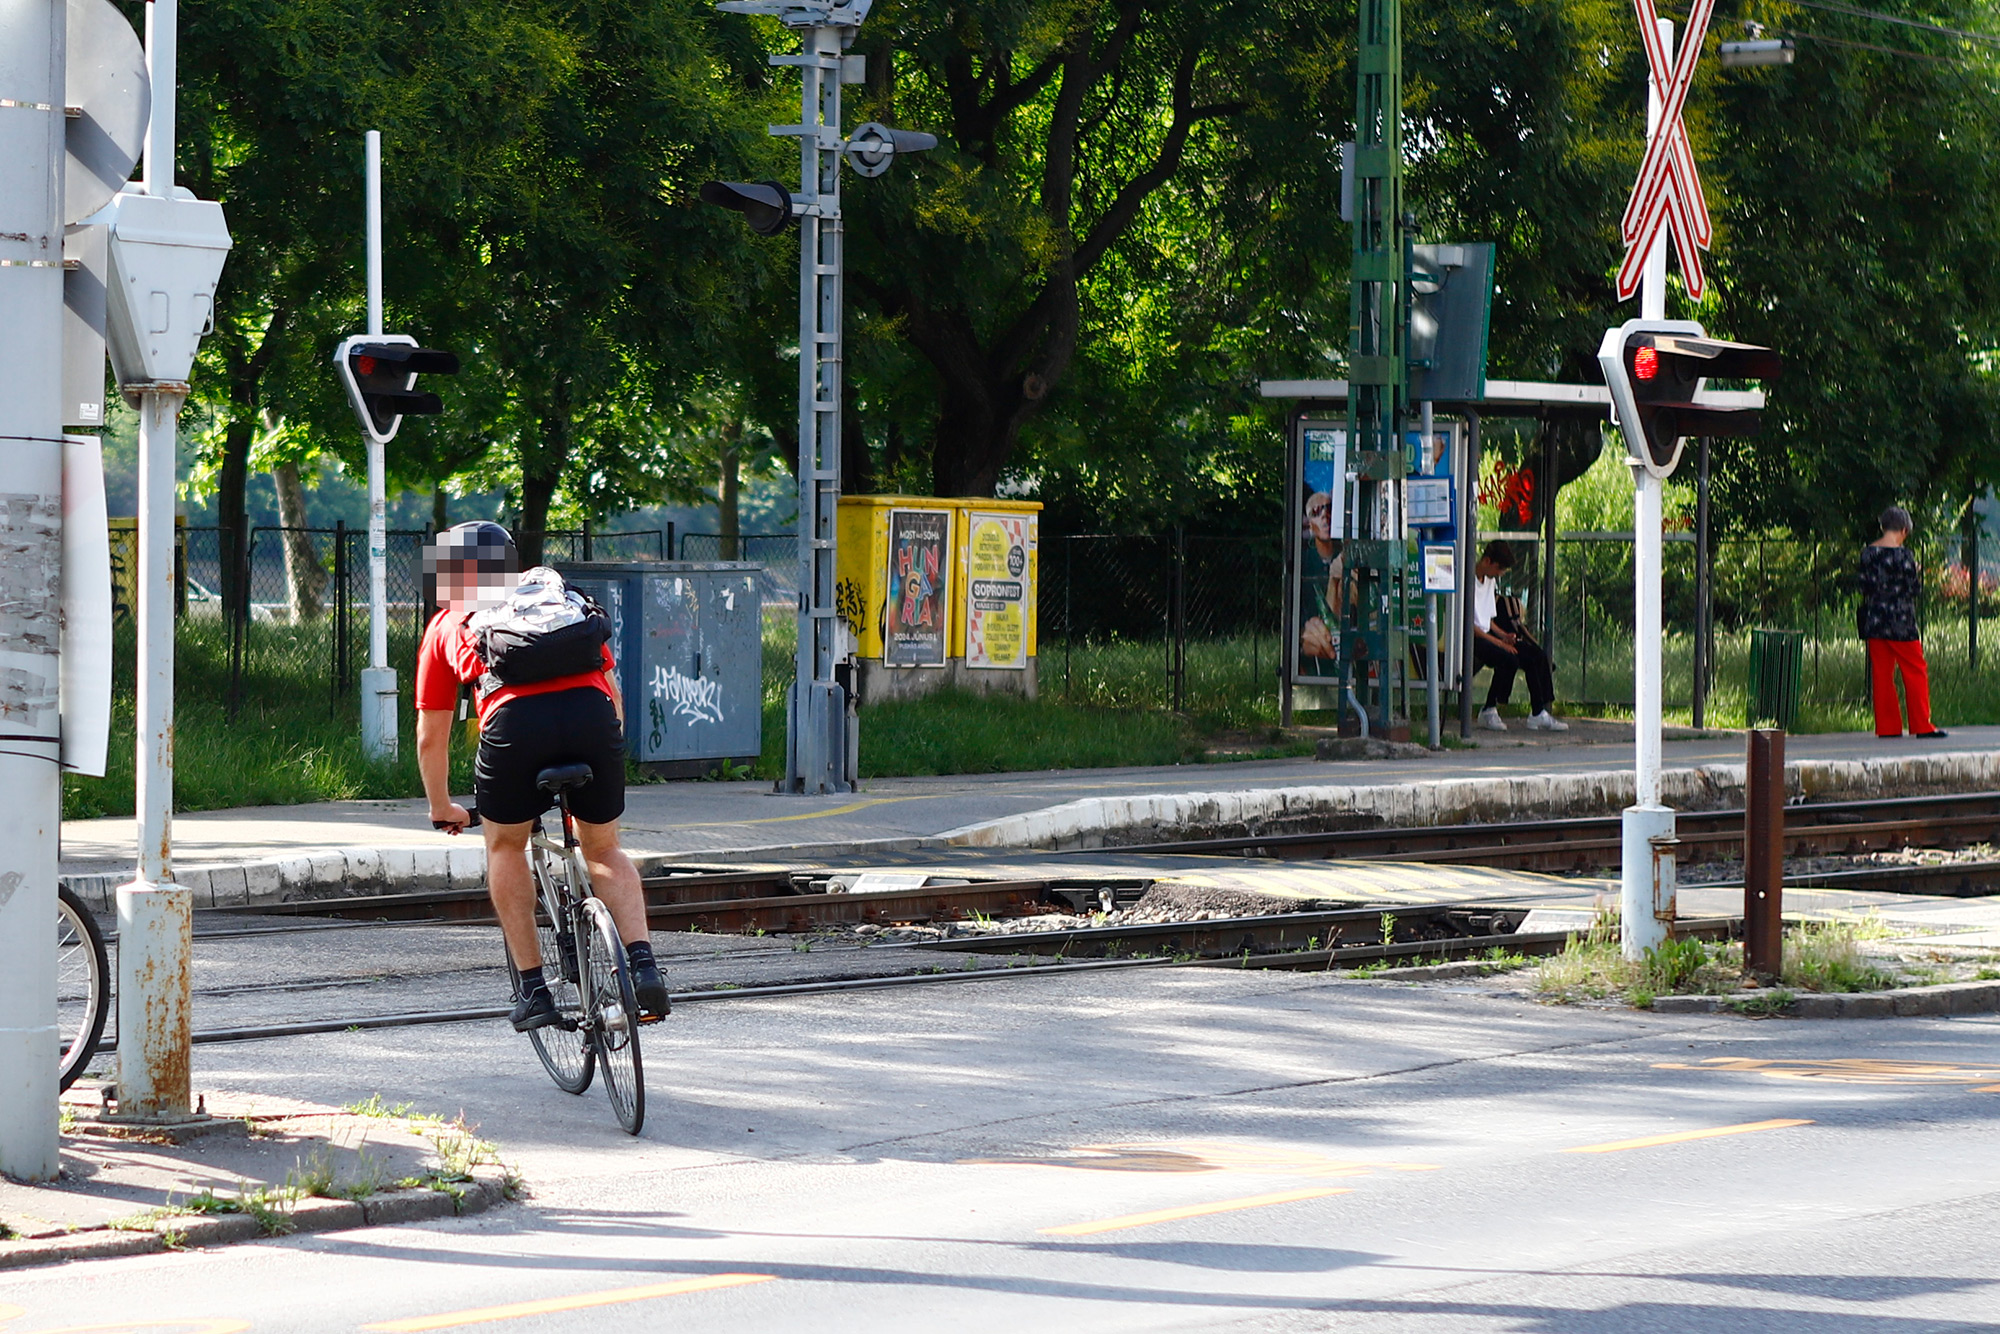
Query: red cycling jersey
(446, 659)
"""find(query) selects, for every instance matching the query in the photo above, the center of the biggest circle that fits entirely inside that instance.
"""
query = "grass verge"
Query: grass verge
(1818, 956)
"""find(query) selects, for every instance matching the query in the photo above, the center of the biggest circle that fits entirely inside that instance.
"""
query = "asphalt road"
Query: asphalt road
(1173, 1149)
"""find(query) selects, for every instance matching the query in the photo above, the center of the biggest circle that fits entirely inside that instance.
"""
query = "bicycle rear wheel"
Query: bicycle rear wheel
(83, 986)
(564, 1048)
(614, 1017)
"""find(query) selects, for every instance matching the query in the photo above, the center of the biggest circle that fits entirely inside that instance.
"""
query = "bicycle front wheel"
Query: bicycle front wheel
(614, 1018)
(83, 986)
(564, 1048)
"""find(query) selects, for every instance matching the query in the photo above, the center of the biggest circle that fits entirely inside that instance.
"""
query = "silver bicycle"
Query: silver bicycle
(83, 987)
(583, 961)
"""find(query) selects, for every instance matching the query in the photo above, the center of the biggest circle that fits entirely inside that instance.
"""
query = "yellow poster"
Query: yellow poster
(996, 574)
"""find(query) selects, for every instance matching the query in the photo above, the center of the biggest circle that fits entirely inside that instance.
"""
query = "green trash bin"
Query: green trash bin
(1777, 670)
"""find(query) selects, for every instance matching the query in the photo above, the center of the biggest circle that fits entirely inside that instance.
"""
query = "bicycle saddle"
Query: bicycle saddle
(562, 777)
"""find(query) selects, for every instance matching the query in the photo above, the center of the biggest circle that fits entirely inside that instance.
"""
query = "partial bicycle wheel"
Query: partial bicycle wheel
(564, 1048)
(614, 1017)
(83, 986)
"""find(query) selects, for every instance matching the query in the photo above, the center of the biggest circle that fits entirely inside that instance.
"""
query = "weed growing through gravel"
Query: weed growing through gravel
(1826, 956)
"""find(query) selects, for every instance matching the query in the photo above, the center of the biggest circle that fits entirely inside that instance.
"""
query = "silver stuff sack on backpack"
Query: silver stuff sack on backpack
(543, 630)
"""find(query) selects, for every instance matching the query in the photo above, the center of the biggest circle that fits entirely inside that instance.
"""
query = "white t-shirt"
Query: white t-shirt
(1485, 602)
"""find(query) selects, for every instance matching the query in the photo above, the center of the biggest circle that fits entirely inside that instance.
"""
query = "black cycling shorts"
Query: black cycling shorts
(528, 734)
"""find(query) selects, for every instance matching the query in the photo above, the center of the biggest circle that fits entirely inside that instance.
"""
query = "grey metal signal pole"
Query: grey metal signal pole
(820, 740)
(32, 131)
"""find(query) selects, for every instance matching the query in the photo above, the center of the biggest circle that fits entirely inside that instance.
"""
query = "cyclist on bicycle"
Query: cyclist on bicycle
(523, 729)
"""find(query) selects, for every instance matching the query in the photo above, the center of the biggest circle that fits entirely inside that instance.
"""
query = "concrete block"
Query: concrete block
(194, 879)
(1921, 1001)
(1868, 1005)
(1817, 1007)
(407, 1206)
(1974, 997)
(1684, 1004)
(466, 867)
(295, 878)
(263, 882)
(399, 867)
(209, 1229)
(316, 1215)
(430, 868)
(329, 875)
(364, 871)
(229, 886)
(99, 1245)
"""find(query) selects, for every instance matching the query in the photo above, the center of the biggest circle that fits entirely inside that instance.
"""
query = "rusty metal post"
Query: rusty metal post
(1764, 854)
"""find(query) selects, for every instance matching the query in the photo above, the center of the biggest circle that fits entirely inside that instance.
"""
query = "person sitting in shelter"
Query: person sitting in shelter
(1502, 643)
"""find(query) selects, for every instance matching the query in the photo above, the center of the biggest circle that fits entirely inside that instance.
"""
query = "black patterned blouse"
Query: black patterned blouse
(1889, 587)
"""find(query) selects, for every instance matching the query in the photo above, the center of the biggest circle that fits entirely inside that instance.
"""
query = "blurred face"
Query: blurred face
(463, 584)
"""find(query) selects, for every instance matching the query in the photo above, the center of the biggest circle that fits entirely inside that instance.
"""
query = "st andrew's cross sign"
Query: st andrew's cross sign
(1668, 193)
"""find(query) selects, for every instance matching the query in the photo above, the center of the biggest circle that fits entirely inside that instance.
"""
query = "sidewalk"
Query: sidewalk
(735, 821)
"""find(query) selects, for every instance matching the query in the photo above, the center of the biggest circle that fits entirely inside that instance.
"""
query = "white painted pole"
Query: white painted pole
(31, 313)
(1647, 892)
(378, 682)
(155, 922)
(1434, 714)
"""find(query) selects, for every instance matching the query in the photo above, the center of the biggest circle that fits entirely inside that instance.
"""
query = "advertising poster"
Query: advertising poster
(996, 605)
(1323, 474)
(913, 617)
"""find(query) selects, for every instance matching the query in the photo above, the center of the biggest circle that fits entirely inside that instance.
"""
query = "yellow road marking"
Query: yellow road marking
(1681, 1137)
(581, 1301)
(1852, 1070)
(1191, 1211)
(9, 1312)
(1203, 1156)
(152, 1326)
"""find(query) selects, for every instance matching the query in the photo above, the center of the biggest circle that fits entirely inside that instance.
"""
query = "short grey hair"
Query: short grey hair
(1895, 519)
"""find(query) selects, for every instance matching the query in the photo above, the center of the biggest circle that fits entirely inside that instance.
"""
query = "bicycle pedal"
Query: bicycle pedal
(651, 1019)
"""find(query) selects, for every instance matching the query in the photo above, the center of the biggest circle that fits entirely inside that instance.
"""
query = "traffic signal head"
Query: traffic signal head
(1657, 372)
(765, 205)
(380, 372)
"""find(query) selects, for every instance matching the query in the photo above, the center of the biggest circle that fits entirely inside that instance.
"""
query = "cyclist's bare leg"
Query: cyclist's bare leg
(614, 879)
(512, 889)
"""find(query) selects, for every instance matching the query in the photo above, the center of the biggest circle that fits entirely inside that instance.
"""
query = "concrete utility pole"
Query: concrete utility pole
(32, 128)
(1648, 826)
(378, 681)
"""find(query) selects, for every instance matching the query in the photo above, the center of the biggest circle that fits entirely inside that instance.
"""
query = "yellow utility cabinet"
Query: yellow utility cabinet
(939, 590)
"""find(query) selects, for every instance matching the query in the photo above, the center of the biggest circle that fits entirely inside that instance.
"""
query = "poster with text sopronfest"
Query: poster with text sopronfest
(1323, 488)
(913, 621)
(997, 557)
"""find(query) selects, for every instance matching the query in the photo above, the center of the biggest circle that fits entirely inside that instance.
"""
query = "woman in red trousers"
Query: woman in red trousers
(1888, 621)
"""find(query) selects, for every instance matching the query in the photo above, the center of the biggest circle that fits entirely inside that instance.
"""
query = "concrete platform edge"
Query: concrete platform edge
(1111, 822)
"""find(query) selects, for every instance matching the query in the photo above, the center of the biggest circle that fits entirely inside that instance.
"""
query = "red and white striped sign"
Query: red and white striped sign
(1668, 194)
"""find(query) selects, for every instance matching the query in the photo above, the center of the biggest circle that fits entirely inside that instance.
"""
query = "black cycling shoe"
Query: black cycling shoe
(650, 989)
(536, 1011)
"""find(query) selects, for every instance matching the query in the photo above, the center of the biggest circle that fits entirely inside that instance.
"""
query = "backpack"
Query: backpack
(542, 631)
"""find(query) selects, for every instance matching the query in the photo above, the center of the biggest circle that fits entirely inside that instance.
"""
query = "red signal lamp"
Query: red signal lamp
(1645, 363)
(364, 365)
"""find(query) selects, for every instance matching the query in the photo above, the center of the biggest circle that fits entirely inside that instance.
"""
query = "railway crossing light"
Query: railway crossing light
(380, 372)
(874, 146)
(1658, 371)
(765, 205)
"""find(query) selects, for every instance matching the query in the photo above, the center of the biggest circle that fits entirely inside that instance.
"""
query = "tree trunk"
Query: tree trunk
(232, 516)
(305, 577)
(440, 508)
(727, 510)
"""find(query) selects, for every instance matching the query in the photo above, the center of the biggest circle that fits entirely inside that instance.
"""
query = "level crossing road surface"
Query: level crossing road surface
(695, 817)
(1150, 1150)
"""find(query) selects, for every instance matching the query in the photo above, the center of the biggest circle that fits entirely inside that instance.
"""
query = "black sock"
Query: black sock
(531, 982)
(639, 954)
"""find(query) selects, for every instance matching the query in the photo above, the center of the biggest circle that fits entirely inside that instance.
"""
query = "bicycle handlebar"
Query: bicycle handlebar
(471, 820)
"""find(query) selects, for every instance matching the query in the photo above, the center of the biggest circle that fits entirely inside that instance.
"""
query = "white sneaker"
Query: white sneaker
(1490, 720)
(1546, 722)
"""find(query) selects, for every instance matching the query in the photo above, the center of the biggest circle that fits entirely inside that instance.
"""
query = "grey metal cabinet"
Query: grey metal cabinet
(688, 639)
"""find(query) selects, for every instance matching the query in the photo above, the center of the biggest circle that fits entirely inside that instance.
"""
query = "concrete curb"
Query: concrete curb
(487, 1188)
(1948, 998)
(1110, 822)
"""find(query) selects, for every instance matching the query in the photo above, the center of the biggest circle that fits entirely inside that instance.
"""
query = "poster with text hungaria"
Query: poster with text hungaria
(913, 620)
(996, 575)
